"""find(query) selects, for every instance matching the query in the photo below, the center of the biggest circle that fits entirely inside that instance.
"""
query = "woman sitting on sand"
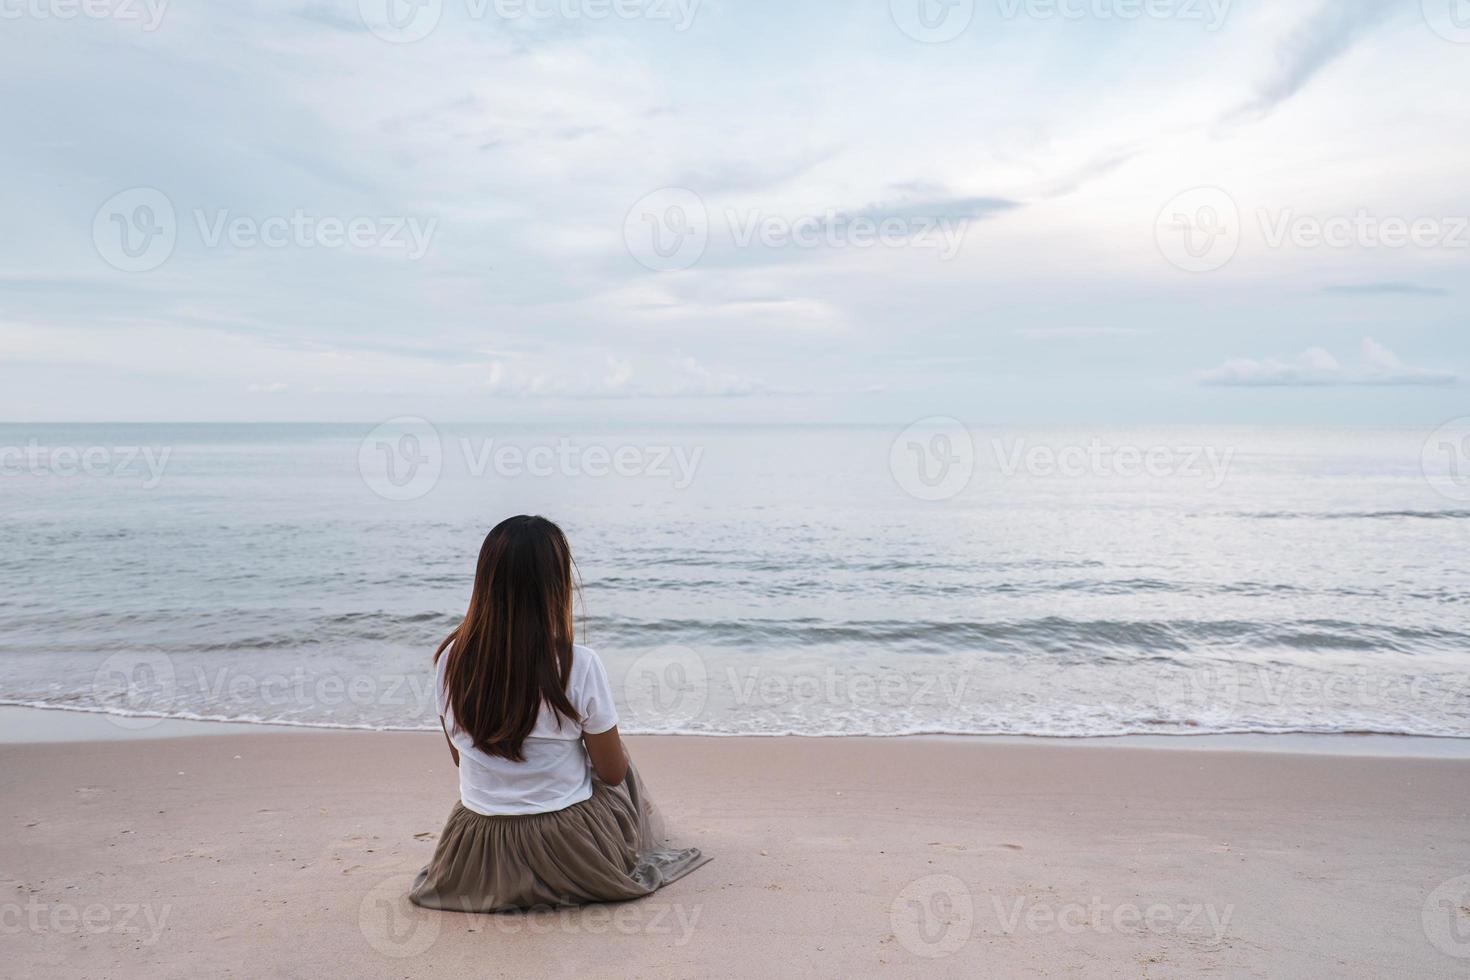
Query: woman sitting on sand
(551, 811)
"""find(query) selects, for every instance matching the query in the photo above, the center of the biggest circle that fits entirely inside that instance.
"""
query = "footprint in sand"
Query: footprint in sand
(425, 835)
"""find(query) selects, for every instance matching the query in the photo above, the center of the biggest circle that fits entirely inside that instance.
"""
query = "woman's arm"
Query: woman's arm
(452, 750)
(607, 755)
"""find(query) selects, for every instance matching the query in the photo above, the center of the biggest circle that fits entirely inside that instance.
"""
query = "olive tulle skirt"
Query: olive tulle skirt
(608, 848)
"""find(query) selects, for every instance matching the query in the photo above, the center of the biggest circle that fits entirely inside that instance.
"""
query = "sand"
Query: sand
(288, 855)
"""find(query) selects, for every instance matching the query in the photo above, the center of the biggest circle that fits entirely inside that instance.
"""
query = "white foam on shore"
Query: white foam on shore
(124, 724)
(194, 717)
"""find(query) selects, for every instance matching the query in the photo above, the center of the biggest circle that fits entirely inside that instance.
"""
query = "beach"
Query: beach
(289, 854)
(1002, 469)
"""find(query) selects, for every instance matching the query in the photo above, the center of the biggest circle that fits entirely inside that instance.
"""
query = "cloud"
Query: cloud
(1314, 44)
(1077, 333)
(735, 175)
(1316, 367)
(936, 221)
(329, 16)
(1385, 289)
(530, 264)
(242, 361)
(742, 302)
(1095, 168)
(676, 376)
(941, 209)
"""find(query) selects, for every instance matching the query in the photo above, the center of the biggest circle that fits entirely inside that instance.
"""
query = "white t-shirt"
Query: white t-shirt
(557, 771)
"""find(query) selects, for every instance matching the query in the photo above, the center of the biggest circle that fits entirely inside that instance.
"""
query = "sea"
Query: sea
(939, 577)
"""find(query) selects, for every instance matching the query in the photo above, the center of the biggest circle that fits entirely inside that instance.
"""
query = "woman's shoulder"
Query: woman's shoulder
(584, 658)
(588, 669)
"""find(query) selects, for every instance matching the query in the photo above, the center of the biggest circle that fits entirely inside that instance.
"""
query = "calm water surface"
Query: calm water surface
(752, 580)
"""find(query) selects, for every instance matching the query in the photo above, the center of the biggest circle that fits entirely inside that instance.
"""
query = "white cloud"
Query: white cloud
(1078, 333)
(1318, 367)
(1310, 47)
(612, 376)
(528, 143)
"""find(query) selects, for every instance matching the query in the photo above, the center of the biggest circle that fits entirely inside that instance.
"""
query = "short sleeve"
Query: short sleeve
(441, 702)
(599, 713)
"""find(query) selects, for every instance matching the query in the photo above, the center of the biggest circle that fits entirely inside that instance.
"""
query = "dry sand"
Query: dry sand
(288, 855)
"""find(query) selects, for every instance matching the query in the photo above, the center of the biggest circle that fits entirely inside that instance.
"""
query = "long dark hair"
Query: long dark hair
(513, 650)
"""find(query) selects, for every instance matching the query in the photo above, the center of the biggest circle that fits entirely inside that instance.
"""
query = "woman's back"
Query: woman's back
(556, 772)
(551, 811)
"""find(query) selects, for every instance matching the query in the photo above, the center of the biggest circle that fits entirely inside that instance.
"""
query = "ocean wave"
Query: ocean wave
(107, 632)
(1358, 515)
(112, 632)
(1050, 634)
(1058, 730)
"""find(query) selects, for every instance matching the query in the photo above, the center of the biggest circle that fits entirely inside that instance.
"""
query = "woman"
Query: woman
(551, 811)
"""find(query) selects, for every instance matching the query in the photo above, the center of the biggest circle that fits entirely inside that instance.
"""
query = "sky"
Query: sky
(846, 211)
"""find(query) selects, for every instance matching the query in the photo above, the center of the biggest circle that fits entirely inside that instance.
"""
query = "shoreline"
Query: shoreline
(28, 724)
